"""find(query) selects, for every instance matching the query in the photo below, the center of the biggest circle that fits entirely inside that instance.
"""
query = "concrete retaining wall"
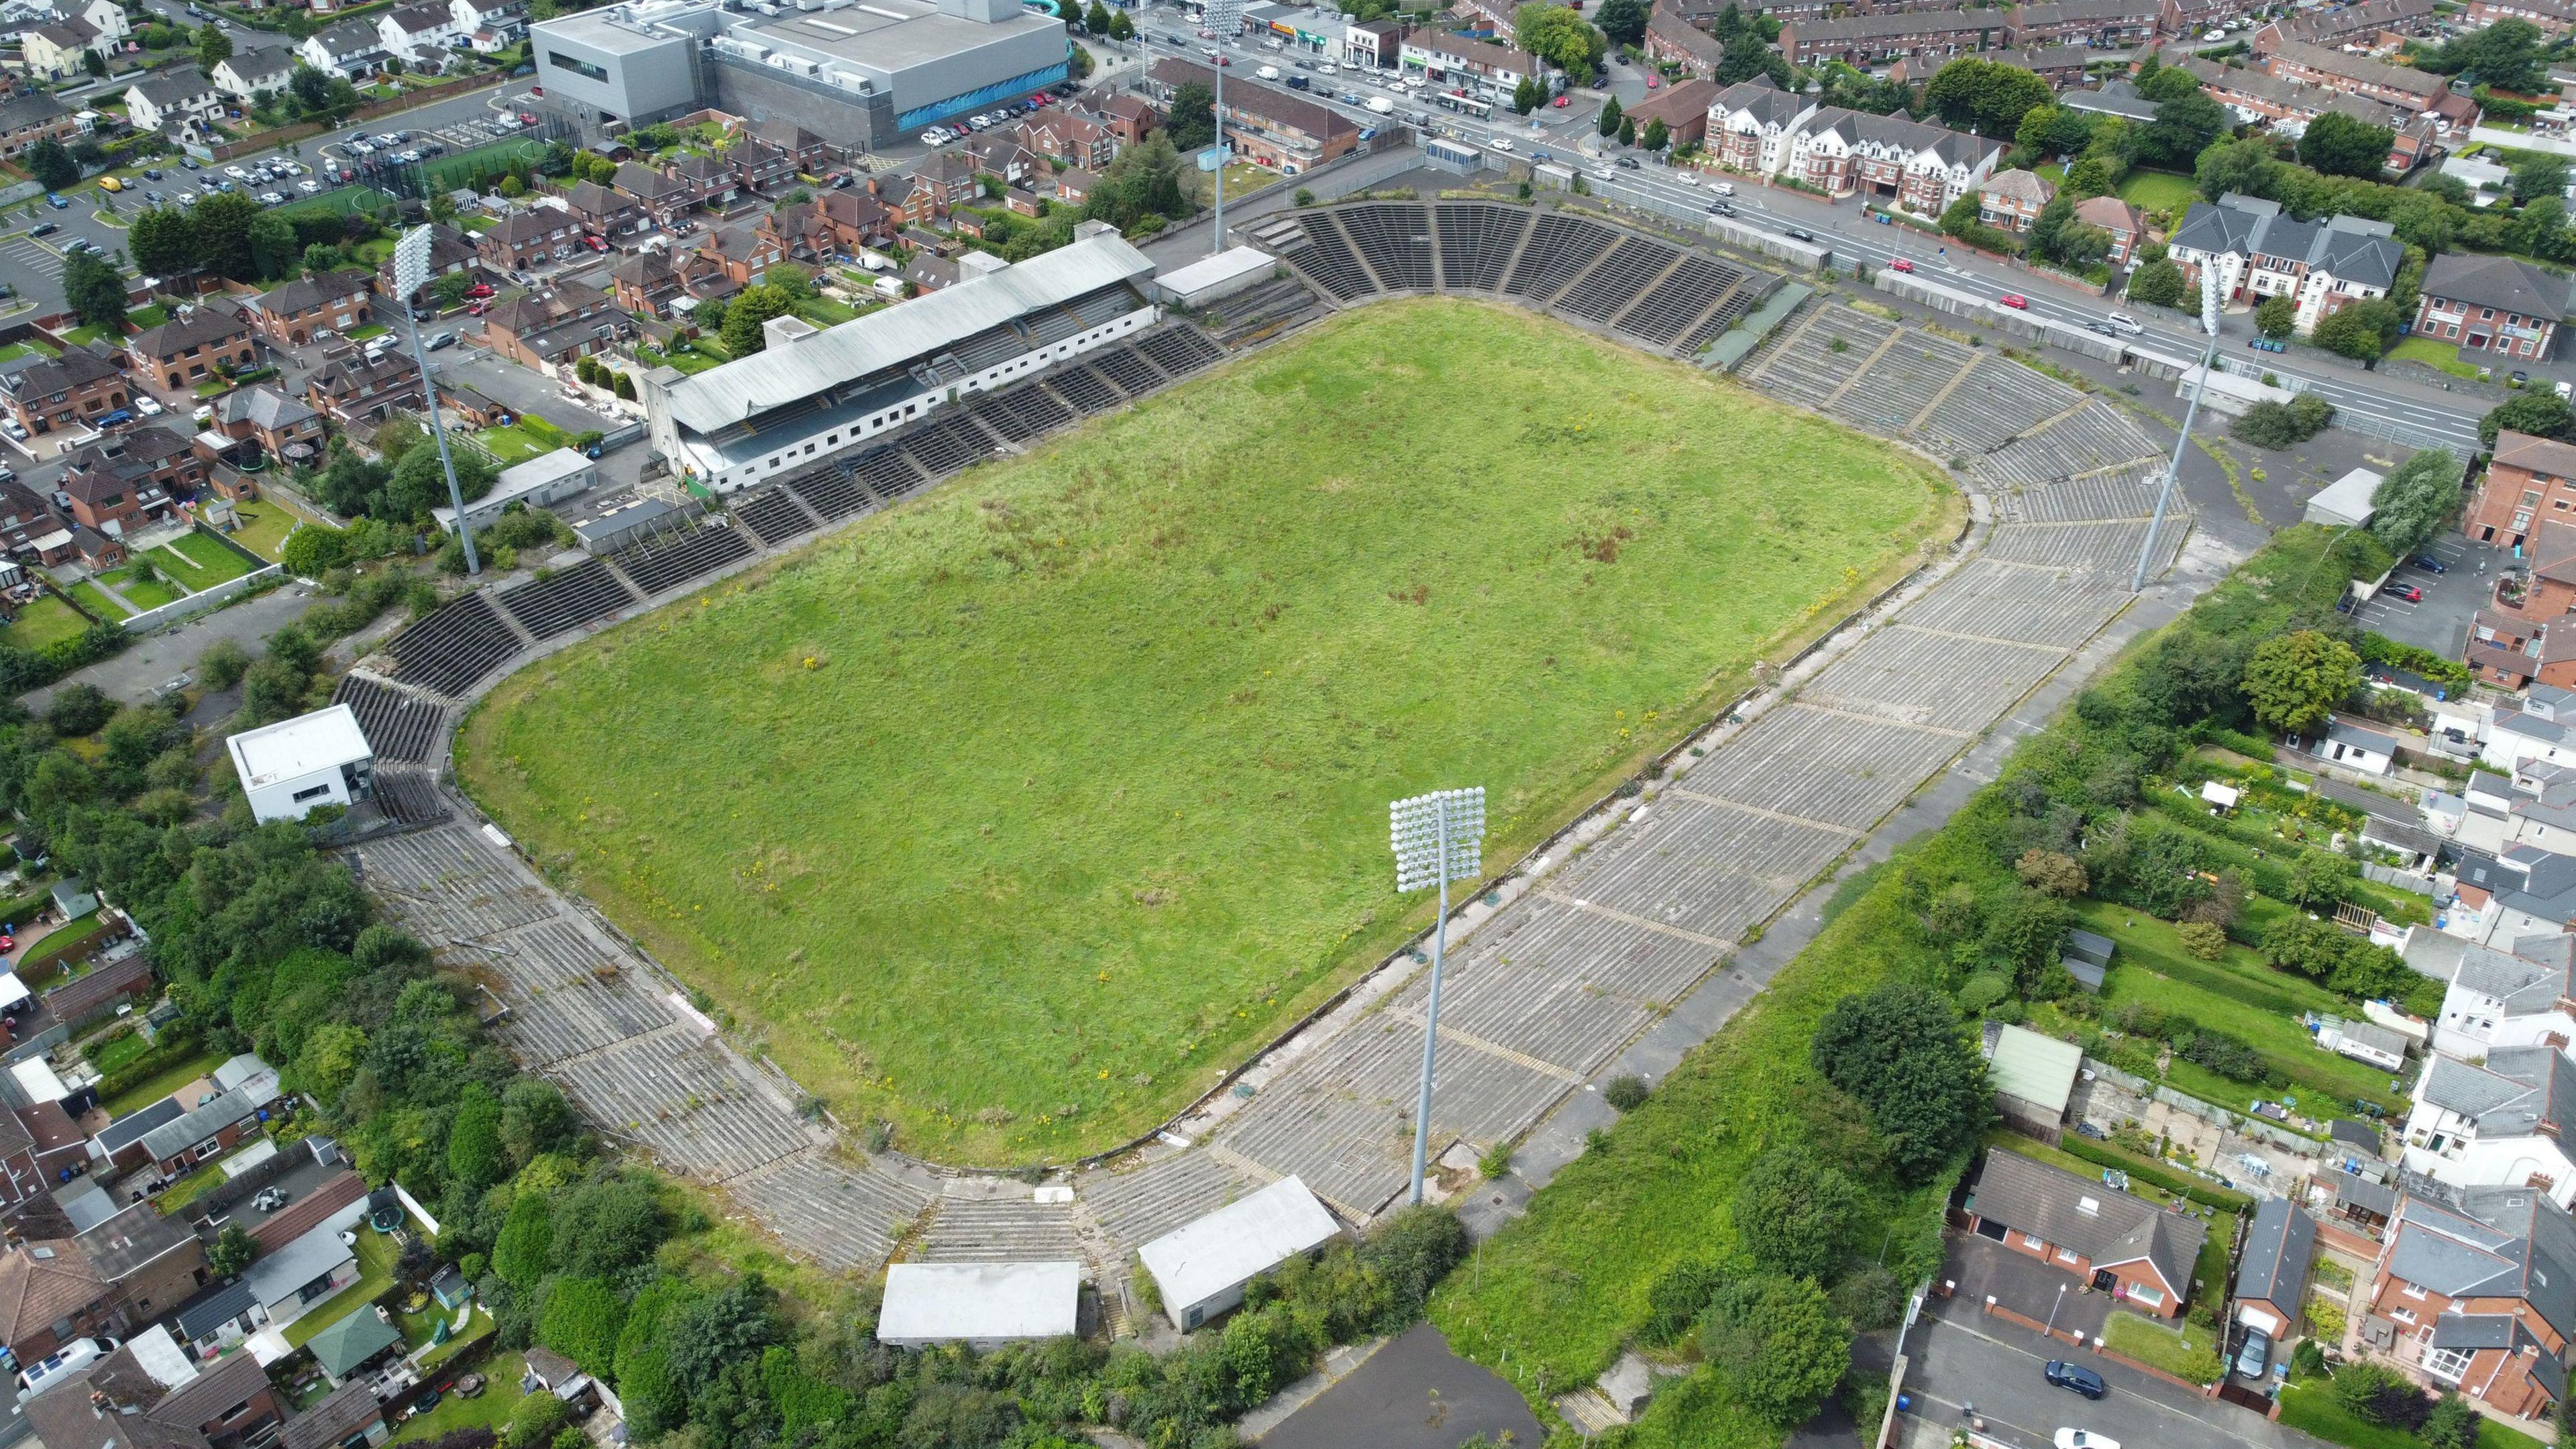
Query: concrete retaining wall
(1769, 243)
(203, 602)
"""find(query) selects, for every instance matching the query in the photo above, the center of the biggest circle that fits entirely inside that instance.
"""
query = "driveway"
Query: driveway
(521, 389)
(1983, 1268)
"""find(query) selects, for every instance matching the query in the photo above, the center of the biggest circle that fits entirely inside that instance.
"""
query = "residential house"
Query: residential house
(1001, 153)
(2498, 305)
(54, 52)
(107, 17)
(1273, 128)
(2372, 25)
(2084, 1228)
(1755, 123)
(350, 389)
(557, 325)
(2475, 1290)
(2501, 997)
(604, 213)
(2272, 1273)
(645, 283)
(70, 391)
(288, 1282)
(450, 251)
(2340, 70)
(29, 116)
(1919, 165)
(662, 195)
(1683, 107)
(2104, 24)
(126, 479)
(1461, 66)
(743, 253)
(2515, 652)
(2288, 107)
(1073, 186)
(276, 422)
(50, 1295)
(2059, 65)
(758, 166)
(209, 1130)
(2353, 746)
(1672, 40)
(112, 505)
(2528, 479)
(2012, 200)
(2553, 16)
(32, 532)
(149, 1395)
(183, 352)
(2510, 894)
(169, 101)
(529, 237)
(502, 21)
(1864, 39)
(806, 151)
(98, 553)
(2185, 19)
(420, 31)
(2261, 253)
(245, 73)
(929, 271)
(349, 1414)
(1076, 139)
(348, 49)
(294, 313)
(2125, 224)
(1130, 119)
(1373, 43)
(151, 1262)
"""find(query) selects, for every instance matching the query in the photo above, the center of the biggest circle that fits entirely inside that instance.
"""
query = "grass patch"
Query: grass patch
(2158, 191)
(199, 562)
(264, 526)
(369, 332)
(511, 444)
(151, 316)
(477, 225)
(487, 1410)
(142, 593)
(162, 1083)
(2433, 352)
(28, 348)
(115, 1053)
(824, 312)
(95, 599)
(2182, 1349)
(1078, 901)
(69, 935)
(376, 1255)
(2308, 1404)
(46, 621)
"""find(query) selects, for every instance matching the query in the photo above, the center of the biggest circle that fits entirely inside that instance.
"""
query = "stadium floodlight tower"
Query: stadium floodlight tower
(1439, 837)
(411, 273)
(1225, 19)
(2173, 465)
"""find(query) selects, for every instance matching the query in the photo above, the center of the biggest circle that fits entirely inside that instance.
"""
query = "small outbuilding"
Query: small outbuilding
(352, 1343)
(1200, 1269)
(2033, 1077)
(296, 766)
(1215, 278)
(981, 1305)
(2088, 958)
(2345, 503)
(540, 482)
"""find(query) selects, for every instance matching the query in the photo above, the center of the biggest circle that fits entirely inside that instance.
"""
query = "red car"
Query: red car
(1560, 103)
(529, 118)
(2408, 592)
(2015, 300)
(479, 289)
(1653, 81)
(594, 243)
(479, 308)
(1901, 264)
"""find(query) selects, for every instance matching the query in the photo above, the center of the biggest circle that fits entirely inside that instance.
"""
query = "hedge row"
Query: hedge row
(25, 669)
(2156, 1174)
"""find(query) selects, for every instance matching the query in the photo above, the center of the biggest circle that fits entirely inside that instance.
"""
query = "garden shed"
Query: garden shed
(2033, 1077)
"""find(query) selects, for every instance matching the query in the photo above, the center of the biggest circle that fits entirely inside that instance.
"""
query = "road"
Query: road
(1958, 1356)
(1569, 134)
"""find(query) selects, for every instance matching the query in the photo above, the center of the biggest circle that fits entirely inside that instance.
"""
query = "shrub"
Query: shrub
(79, 709)
(2451, 1425)
(1982, 992)
(223, 663)
(2381, 1395)
(1626, 1093)
(2308, 1360)
(539, 1417)
(2051, 873)
(1676, 1299)
(2203, 940)
(1496, 1162)
(1794, 1212)
(1872, 1298)
(313, 550)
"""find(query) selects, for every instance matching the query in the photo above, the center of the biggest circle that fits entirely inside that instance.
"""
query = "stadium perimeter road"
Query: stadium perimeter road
(1412, 1394)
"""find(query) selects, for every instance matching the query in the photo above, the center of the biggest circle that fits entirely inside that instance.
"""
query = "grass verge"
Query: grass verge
(2182, 1349)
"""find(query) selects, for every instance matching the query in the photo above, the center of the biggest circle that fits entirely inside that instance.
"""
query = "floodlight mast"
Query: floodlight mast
(1438, 838)
(1225, 17)
(2173, 465)
(411, 273)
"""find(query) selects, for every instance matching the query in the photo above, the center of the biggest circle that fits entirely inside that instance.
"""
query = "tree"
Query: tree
(2340, 145)
(475, 1160)
(2539, 176)
(1527, 96)
(223, 225)
(1779, 1343)
(234, 1250)
(213, 46)
(624, 385)
(418, 483)
(2277, 316)
(2453, 1424)
(274, 250)
(524, 1252)
(2374, 1392)
(1657, 135)
(749, 313)
(2361, 331)
(50, 164)
(162, 242)
(2506, 56)
(1898, 1050)
(1193, 118)
(1096, 19)
(2539, 413)
(1627, 130)
(607, 1226)
(1624, 21)
(1987, 96)
(2415, 502)
(581, 1322)
(1560, 36)
(1794, 1213)
(1120, 27)
(2182, 129)
(2248, 167)
(310, 87)
(2295, 680)
(2052, 873)
(1610, 117)
(95, 290)
(2158, 284)
(94, 63)
(2168, 84)
(534, 1423)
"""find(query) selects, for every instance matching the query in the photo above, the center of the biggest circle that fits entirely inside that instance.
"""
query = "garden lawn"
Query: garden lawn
(142, 593)
(487, 1410)
(199, 562)
(95, 599)
(45, 621)
(1021, 812)
(161, 1084)
(2433, 352)
(264, 526)
(376, 1254)
(511, 445)
(28, 348)
(2182, 1349)
(2157, 191)
(113, 1054)
(2308, 1404)
(152, 316)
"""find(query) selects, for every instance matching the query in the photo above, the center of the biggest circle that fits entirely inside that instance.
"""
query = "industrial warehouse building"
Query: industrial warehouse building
(864, 74)
(811, 395)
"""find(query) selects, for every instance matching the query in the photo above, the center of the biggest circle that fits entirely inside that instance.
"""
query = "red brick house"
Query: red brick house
(2012, 200)
(32, 532)
(183, 352)
(1683, 109)
(567, 321)
(664, 196)
(2528, 480)
(50, 1295)
(2126, 225)
(294, 314)
(450, 250)
(350, 389)
(645, 283)
(604, 213)
(1071, 136)
(148, 458)
(70, 391)
(1130, 118)
(269, 417)
(1673, 40)
(528, 237)
(2498, 305)
(2473, 1295)
(758, 165)
(804, 150)
(117, 1403)
(110, 503)
(743, 253)
(2107, 1239)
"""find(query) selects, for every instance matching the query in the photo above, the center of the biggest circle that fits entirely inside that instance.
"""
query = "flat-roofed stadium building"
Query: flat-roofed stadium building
(811, 396)
(863, 72)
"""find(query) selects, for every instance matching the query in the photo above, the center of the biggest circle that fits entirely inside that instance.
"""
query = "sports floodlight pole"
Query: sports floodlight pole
(2173, 466)
(411, 273)
(1225, 17)
(1438, 838)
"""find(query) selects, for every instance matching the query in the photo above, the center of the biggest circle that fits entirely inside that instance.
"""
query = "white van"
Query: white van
(2126, 323)
(61, 1364)
(1267, 72)
(1722, 188)
(1380, 105)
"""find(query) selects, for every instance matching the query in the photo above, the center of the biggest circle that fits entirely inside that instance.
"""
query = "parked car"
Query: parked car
(43, 228)
(1900, 264)
(2255, 1356)
(2084, 1439)
(2429, 564)
(2076, 1377)
(2409, 592)
(443, 339)
(57, 202)
(151, 173)
(479, 290)
(237, 173)
(271, 198)
(309, 186)
(1559, 102)
(147, 405)
(594, 243)
(2014, 300)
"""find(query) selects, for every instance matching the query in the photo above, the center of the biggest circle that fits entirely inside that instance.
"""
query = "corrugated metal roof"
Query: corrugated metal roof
(722, 397)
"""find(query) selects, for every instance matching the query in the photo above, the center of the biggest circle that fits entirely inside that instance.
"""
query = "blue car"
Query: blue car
(57, 202)
(116, 419)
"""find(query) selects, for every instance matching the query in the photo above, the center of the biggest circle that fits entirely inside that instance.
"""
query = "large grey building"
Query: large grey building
(865, 71)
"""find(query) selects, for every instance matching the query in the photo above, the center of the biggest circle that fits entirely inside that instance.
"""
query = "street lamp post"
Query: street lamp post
(1438, 838)
(2173, 465)
(411, 273)
(2051, 1330)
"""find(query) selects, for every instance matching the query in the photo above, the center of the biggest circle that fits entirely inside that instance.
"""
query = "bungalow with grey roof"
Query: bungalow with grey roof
(2105, 1237)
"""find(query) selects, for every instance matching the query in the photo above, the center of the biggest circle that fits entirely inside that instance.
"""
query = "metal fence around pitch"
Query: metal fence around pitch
(2387, 429)
(343, 201)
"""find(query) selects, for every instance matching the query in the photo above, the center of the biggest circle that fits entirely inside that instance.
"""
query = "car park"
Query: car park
(2014, 300)
(2076, 1377)
(2429, 564)
(2409, 592)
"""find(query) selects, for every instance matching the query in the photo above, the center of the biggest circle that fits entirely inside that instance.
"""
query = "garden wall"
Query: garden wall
(206, 601)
